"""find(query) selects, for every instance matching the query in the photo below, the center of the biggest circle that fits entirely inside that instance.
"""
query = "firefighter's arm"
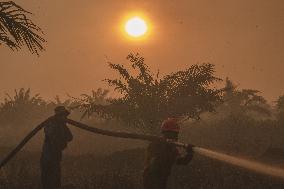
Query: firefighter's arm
(184, 160)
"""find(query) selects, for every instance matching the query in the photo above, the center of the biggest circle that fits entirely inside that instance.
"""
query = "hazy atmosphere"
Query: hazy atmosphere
(141, 94)
(243, 38)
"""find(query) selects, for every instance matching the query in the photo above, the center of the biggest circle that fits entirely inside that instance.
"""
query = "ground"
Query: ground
(123, 170)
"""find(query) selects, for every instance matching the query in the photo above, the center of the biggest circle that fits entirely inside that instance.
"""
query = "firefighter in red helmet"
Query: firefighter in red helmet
(162, 155)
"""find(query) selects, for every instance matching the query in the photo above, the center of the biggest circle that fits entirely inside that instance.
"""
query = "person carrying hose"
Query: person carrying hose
(57, 135)
(162, 155)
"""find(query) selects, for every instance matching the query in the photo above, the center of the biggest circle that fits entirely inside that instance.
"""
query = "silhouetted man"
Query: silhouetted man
(57, 135)
(162, 155)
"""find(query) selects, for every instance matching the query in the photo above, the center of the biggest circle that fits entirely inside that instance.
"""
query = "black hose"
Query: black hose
(21, 144)
(113, 133)
(81, 126)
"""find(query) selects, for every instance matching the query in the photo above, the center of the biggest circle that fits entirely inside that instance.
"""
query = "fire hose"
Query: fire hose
(247, 164)
(84, 127)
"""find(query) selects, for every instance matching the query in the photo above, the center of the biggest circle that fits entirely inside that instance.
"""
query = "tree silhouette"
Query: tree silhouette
(17, 30)
(97, 98)
(241, 102)
(241, 124)
(280, 109)
(22, 105)
(146, 99)
(280, 104)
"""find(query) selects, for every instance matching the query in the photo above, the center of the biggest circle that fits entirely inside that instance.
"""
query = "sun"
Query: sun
(136, 27)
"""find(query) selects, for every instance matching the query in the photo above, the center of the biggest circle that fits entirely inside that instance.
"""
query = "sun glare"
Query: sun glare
(136, 27)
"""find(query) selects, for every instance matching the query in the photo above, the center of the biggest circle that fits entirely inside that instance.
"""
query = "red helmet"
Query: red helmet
(170, 124)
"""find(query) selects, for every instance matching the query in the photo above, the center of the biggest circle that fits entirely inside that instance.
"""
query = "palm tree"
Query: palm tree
(146, 99)
(17, 30)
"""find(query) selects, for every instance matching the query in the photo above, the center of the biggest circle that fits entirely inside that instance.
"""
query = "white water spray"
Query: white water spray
(247, 164)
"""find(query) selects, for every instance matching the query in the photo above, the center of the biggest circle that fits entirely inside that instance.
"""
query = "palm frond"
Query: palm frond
(7, 41)
(16, 30)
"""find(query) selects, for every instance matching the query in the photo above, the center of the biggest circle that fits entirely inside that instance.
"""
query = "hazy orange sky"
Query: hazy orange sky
(244, 38)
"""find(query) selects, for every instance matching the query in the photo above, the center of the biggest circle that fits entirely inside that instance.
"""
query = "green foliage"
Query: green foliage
(146, 99)
(17, 30)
